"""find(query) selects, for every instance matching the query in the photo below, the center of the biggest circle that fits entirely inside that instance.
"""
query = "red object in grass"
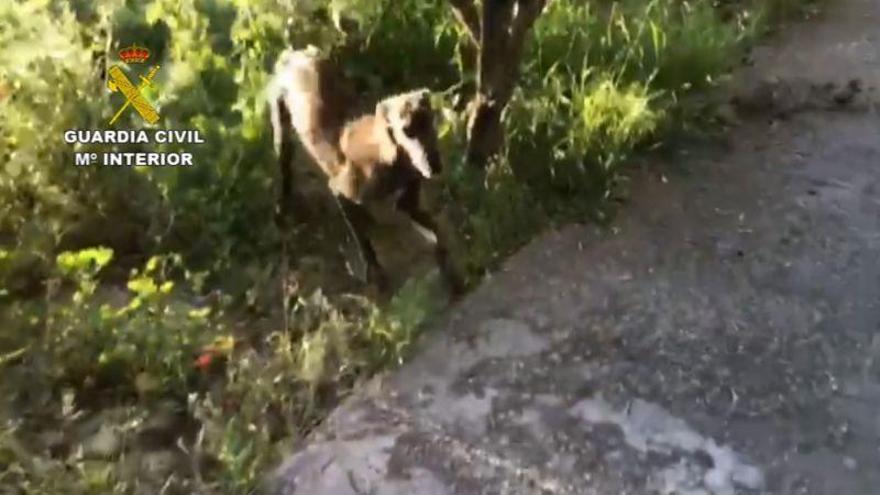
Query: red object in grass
(205, 360)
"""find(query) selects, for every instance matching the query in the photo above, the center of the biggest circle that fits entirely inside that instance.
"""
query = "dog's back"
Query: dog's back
(375, 166)
(317, 104)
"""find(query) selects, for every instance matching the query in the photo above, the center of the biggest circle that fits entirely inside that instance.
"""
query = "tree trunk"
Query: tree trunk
(498, 29)
(485, 135)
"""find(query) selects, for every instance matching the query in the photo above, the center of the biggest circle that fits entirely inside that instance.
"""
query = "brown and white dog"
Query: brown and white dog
(379, 156)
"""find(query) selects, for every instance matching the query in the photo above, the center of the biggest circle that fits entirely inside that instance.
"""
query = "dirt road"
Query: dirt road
(723, 338)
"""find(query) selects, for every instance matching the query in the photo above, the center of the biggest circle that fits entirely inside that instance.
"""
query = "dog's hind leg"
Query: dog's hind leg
(357, 219)
(282, 130)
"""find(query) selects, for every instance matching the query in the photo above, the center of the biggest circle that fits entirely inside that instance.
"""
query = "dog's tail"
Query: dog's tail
(282, 130)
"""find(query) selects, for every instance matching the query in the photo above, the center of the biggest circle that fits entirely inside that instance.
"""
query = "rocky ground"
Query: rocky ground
(721, 338)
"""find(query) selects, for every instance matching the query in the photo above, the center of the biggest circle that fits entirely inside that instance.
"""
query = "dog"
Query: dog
(386, 154)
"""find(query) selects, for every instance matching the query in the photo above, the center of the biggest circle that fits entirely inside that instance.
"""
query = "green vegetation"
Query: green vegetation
(158, 332)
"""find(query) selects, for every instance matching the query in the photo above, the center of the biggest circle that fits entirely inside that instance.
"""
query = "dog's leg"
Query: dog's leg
(283, 131)
(409, 204)
(357, 219)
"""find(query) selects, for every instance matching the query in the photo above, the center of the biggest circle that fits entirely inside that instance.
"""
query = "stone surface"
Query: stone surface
(721, 339)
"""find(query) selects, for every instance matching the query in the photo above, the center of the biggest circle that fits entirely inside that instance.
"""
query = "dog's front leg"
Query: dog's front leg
(409, 204)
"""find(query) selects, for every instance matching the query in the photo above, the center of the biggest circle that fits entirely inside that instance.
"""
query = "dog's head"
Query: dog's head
(410, 120)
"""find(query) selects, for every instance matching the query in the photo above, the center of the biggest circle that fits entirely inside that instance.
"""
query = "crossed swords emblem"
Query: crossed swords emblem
(119, 82)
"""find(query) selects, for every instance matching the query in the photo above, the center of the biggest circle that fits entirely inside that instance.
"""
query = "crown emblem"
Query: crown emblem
(134, 54)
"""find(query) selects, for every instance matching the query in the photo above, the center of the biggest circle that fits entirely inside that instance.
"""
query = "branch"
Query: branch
(466, 13)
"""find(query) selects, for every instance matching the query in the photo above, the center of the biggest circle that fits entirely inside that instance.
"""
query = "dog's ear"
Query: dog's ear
(383, 113)
(397, 111)
(423, 96)
(385, 119)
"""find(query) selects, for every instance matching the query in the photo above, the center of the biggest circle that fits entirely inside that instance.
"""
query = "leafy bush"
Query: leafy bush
(147, 344)
(50, 89)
